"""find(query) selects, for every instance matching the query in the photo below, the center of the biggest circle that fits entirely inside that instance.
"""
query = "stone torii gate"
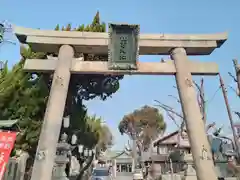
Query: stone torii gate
(66, 44)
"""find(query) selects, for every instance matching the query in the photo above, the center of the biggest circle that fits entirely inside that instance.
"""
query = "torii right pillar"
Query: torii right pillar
(202, 156)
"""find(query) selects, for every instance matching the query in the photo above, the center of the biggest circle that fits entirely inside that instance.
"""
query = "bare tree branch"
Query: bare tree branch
(232, 76)
(210, 126)
(170, 111)
(175, 98)
(172, 118)
(237, 113)
(235, 91)
(237, 77)
(202, 105)
(168, 108)
(203, 102)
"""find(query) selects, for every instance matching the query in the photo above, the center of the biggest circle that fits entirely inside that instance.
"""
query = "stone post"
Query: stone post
(133, 165)
(189, 172)
(46, 152)
(22, 165)
(114, 168)
(195, 127)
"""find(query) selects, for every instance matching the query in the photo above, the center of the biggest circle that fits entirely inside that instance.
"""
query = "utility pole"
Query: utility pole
(230, 118)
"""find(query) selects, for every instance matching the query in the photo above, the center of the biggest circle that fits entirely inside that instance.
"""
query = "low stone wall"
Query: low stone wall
(16, 168)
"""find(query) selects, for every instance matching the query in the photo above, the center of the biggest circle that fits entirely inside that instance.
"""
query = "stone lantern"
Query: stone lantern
(63, 149)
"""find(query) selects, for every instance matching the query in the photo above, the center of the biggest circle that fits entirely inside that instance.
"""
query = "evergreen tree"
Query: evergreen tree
(68, 28)
(23, 97)
(57, 28)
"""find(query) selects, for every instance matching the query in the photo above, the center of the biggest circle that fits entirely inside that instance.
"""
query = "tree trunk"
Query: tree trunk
(81, 173)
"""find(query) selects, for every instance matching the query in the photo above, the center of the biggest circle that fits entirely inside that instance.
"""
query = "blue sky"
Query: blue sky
(154, 16)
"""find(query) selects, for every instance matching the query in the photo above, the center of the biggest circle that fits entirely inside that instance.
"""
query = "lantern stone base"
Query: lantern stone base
(59, 172)
(190, 172)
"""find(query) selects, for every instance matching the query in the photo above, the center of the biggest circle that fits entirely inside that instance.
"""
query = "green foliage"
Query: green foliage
(57, 27)
(146, 123)
(95, 134)
(24, 96)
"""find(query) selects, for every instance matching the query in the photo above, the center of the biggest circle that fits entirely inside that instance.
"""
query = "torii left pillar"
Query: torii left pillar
(46, 151)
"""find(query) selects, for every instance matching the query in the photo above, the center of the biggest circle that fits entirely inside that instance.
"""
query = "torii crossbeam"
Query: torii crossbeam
(66, 44)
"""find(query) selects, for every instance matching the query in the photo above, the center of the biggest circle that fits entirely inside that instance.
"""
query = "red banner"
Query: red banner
(7, 140)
